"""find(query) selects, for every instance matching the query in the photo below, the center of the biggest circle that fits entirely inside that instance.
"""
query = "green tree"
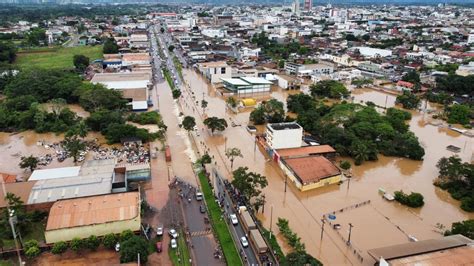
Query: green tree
(250, 184)
(59, 247)
(408, 100)
(206, 159)
(30, 162)
(93, 97)
(117, 132)
(232, 102)
(257, 116)
(329, 88)
(215, 123)
(171, 48)
(101, 119)
(74, 147)
(465, 228)
(188, 123)
(129, 249)
(302, 258)
(110, 240)
(360, 152)
(32, 252)
(459, 114)
(92, 242)
(7, 52)
(176, 93)
(162, 30)
(80, 129)
(204, 104)
(274, 111)
(76, 244)
(81, 62)
(413, 200)
(345, 165)
(231, 154)
(412, 77)
(110, 46)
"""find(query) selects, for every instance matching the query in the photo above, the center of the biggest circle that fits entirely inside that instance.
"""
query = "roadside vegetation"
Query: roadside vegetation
(178, 66)
(298, 256)
(465, 228)
(180, 255)
(457, 178)
(218, 223)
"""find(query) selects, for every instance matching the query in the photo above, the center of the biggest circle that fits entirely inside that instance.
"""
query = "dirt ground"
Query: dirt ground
(100, 257)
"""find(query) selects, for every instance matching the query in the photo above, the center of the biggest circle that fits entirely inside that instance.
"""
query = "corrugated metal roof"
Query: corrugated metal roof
(311, 169)
(420, 247)
(54, 173)
(93, 210)
(303, 151)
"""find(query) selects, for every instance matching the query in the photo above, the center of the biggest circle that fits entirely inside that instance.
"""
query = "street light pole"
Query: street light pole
(322, 227)
(286, 182)
(350, 231)
(271, 221)
(263, 207)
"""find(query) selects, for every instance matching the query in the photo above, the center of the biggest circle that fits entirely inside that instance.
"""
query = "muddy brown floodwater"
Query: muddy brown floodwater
(376, 224)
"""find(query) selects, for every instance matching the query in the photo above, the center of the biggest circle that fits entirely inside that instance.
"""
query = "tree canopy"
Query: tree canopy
(189, 123)
(110, 46)
(215, 123)
(408, 100)
(271, 111)
(250, 184)
(81, 62)
(329, 88)
(130, 248)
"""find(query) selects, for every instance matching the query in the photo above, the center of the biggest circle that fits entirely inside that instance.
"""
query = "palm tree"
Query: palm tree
(360, 152)
(231, 154)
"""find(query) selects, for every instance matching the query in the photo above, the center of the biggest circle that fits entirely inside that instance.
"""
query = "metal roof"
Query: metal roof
(419, 247)
(54, 173)
(254, 80)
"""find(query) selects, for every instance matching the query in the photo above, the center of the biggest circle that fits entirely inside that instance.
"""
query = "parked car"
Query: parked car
(202, 209)
(159, 247)
(233, 219)
(244, 242)
(174, 244)
(251, 129)
(159, 231)
(173, 233)
(198, 196)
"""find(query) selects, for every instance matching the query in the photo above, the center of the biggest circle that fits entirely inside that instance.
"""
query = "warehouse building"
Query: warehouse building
(96, 215)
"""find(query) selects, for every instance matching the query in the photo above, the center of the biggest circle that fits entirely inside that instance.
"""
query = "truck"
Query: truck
(247, 221)
(257, 241)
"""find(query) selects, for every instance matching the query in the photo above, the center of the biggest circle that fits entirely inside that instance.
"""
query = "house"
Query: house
(373, 52)
(215, 71)
(133, 85)
(245, 85)
(404, 86)
(465, 70)
(307, 70)
(83, 40)
(96, 215)
(287, 82)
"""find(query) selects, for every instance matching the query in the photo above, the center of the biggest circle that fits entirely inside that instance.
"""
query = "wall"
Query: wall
(68, 234)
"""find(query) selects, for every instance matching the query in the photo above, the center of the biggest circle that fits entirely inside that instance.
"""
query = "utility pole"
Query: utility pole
(263, 206)
(286, 182)
(322, 227)
(12, 220)
(350, 231)
(271, 221)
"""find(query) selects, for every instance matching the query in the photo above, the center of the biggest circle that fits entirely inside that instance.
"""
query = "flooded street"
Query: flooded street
(378, 223)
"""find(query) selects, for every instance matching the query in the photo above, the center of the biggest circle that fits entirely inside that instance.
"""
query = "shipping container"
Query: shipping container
(247, 221)
(257, 241)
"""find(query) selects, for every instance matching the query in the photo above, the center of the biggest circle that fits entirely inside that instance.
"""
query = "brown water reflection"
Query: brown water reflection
(378, 224)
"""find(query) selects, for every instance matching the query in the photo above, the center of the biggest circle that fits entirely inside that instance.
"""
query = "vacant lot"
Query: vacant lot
(55, 57)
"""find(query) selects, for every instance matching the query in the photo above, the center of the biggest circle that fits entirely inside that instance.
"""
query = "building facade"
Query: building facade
(284, 135)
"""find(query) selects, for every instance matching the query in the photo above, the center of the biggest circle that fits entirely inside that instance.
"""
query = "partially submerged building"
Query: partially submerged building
(96, 215)
(247, 85)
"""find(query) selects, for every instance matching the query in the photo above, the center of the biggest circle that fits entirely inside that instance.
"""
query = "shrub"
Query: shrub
(345, 165)
(92, 242)
(133, 246)
(413, 200)
(59, 247)
(76, 244)
(125, 235)
(110, 240)
(32, 252)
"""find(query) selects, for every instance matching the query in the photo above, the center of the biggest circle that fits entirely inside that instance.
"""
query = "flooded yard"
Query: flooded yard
(380, 223)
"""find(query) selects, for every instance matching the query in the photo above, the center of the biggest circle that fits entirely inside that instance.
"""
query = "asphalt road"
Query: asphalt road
(236, 230)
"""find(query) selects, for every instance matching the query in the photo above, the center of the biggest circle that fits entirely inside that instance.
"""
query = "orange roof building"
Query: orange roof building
(306, 151)
(310, 172)
(97, 215)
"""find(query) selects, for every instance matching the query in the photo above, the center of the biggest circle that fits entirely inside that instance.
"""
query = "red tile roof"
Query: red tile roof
(304, 151)
(311, 169)
(405, 84)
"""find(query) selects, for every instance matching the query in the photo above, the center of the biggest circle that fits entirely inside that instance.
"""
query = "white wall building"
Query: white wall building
(373, 52)
(284, 135)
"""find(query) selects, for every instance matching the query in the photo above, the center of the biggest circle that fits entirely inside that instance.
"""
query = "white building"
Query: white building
(284, 135)
(215, 71)
(213, 33)
(466, 70)
(373, 52)
(470, 38)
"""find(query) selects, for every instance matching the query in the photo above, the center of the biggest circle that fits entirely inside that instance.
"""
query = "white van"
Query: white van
(198, 196)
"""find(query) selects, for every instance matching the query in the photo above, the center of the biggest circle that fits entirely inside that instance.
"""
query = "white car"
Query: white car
(174, 244)
(159, 231)
(233, 219)
(173, 233)
(244, 242)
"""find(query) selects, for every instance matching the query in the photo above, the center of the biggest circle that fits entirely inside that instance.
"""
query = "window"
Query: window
(222, 70)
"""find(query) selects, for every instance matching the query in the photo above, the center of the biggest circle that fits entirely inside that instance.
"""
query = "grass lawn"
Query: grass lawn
(7, 262)
(56, 57)
(181, 252)
(178, 66)
(168, 78)
(220, 227)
